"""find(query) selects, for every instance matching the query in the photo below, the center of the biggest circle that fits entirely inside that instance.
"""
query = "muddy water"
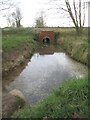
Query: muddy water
(43, 73)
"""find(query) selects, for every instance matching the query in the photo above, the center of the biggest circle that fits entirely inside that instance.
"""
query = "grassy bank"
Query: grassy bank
(69, 101)
(14, 38)
(17, 44)
(76, 46)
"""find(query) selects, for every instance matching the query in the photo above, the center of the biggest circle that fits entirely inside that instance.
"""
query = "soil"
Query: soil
(13, 62)
(49, 49)
(12, 59)
(10, 104)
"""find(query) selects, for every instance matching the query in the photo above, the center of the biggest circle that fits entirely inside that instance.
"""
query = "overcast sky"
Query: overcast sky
(32, 8)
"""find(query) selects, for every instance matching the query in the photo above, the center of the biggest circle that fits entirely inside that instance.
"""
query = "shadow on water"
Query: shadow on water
(46, 70)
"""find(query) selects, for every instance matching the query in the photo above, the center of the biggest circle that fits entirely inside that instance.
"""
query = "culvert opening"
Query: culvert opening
(46, 41)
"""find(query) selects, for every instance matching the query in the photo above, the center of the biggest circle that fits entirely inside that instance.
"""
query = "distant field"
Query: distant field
(13, 38)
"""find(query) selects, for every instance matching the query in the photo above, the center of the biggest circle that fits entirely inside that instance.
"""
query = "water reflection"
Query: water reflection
(43, 73)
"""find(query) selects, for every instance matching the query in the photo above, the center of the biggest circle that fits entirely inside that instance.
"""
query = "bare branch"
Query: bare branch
(7, 4)
(75, 11)
(84, 14)
(80, 13)
(70, 12)
(4, 8)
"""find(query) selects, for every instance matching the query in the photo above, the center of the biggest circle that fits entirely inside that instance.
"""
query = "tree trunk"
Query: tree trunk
(18, 23)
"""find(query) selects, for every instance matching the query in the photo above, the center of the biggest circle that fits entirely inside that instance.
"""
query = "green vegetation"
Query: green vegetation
(65, 102)
(14, 38)
(75, 45)
(70, 99)
(18, 44)
(19, 102)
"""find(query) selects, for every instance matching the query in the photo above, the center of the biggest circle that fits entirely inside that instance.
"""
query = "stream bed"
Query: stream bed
(43, 73)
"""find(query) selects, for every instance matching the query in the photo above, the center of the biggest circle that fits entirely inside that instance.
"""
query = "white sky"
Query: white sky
(32, 8)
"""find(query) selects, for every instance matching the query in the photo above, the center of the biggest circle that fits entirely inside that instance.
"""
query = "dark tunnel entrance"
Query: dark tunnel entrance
(46, 41)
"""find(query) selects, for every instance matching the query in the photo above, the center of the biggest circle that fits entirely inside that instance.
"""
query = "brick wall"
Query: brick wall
(49, 34)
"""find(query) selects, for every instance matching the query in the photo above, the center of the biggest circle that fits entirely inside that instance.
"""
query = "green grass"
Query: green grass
(76, 46)
(14, 38)
(68, 99)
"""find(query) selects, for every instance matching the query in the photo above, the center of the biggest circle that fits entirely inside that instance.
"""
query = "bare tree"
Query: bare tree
(78, 16)
(10, 20)
(17, 16)
(6, 4)
(75, 9)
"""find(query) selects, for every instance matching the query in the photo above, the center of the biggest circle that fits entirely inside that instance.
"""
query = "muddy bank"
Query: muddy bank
(11, 60)
(47, 68)
(14, 103)
(13, 63)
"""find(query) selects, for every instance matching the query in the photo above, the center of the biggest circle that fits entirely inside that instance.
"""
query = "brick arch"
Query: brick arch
(47, 34)
(46, 39)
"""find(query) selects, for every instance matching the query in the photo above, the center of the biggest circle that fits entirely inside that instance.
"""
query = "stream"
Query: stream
(43, 73)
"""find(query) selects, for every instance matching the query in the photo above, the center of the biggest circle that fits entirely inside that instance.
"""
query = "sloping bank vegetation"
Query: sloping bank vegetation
(18, 44)
(69, 101)
(75, 45)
